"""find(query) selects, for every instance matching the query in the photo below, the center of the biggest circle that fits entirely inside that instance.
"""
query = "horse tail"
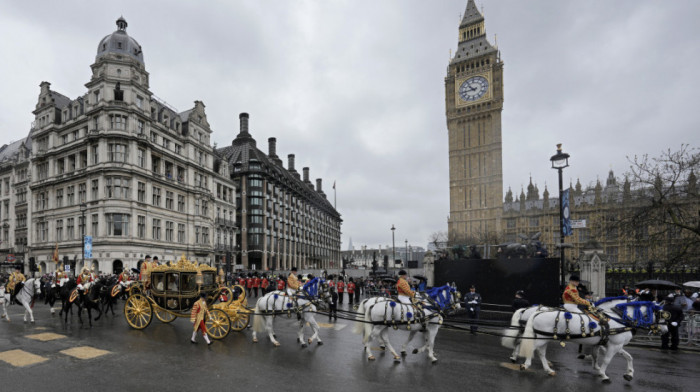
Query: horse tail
(510, 334)
(257, 319)
(527, 346)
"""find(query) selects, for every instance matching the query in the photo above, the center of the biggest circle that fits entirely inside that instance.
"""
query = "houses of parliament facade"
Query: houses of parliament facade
(479, 214)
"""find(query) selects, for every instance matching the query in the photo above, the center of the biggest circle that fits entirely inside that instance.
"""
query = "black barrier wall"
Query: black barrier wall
(498, 280)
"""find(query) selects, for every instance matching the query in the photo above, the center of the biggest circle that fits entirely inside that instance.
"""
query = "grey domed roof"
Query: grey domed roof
(119, 42)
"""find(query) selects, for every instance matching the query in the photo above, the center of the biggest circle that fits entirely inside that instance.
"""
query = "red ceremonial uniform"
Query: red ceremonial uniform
(256, 282)
(350, 287)
(249, 283)
(241, 282)
(341, 287)
(264, 283)
(280, 284)
(571, 296)
(331, 284)
(82, 279)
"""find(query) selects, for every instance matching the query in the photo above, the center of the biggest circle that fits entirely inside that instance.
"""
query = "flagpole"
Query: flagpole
(335, 200)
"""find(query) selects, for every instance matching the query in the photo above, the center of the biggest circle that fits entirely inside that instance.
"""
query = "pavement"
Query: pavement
(111, 356)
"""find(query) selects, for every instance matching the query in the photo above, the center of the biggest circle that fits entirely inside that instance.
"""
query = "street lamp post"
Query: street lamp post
(83, 208)
(393, 247)
(405, 250)
(560, 161)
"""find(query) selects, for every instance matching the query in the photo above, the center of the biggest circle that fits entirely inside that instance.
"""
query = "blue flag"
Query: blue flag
(87, 252)
(566, 214)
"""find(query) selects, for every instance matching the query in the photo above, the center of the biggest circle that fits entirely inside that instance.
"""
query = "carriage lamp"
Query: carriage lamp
(199, 279)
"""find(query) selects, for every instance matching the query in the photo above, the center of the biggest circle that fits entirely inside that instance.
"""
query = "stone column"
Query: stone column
(429, 268)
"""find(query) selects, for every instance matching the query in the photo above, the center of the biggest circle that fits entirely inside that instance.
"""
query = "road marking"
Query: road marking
(20, 358)
(336, 326)
(46, 336)
(85, 352)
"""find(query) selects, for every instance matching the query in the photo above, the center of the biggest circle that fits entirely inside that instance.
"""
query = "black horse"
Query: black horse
(51, 294)
(90, 301)
(111, 285)
(64, 294)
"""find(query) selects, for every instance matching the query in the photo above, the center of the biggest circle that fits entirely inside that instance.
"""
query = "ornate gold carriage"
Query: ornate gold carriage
(172, 290)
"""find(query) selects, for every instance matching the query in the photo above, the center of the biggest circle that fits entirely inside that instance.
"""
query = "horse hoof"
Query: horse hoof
(403, 353)
(415, 351)
(628, 377)
(371, 358)
(255, 340)
(523, 367)
(309, 340)
(277, 344)
(552, 374)
(303, 345)
(606, 381)
(433, 361)
(382, 348)
(320, 343)
(397, 359)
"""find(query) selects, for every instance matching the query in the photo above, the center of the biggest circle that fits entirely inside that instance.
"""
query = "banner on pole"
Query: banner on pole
(87, 252)
(566, 214)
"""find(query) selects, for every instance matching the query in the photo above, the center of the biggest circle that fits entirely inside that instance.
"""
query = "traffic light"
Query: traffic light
(32, 264)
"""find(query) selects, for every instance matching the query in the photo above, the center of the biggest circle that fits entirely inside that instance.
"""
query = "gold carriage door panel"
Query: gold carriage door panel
(172, 291)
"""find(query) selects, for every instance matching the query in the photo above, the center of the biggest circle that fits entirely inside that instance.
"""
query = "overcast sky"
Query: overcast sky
(355, 88)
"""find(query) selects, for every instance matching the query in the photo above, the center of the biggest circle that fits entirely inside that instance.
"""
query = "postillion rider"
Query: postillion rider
(293, 282)
(403, 288)
(15, 283)
(571, 297)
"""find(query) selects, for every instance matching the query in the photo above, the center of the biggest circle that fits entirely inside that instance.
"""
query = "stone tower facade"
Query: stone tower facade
(473, 105)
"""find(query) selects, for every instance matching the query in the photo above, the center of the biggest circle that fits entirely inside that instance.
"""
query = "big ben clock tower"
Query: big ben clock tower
(473, 105)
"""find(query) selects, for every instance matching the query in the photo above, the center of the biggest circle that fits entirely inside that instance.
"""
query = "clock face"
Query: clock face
(473, 88)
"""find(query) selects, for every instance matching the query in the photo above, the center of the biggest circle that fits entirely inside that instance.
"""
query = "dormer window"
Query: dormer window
(119, 45)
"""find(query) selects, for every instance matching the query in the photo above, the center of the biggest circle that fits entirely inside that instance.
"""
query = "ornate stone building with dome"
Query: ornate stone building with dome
(137, 175)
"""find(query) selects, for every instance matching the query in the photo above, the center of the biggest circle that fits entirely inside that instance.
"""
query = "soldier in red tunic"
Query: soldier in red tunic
(249, 284)
(256, 284)
(571, 297)
(341, 290)
(280, 283)
(350, 288)
(264, 284)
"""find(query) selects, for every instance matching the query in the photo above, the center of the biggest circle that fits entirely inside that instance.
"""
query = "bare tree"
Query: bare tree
(660, 211)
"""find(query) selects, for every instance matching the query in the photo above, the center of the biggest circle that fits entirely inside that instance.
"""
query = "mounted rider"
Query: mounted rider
(125, 278)
(572, 299)
(293, 282)
(85, 280)
(15, 283)
(403, 288)
(60, 277)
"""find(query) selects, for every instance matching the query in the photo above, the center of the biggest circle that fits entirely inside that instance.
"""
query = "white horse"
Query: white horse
(512, 335)
(579, 328)
(25, 297)
(4, 300)
(303, 304)
(377, 314)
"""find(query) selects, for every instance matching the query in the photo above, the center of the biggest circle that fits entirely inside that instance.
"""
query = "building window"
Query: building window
(154, 137)
(155, 165)
(118, 225)
(59, 230)
(166, 144)
(156, 196)
(534, 221)
(196, 235)
(139, 102)
(70, 192)
(70, 229)
(180, 203)
(117, 188)
(178, 149)
(59, 198)
(169, 229)
(96, 96)
(142, 192)
(140, 127)
(82, 193)
(180, 233)
(156, 229)
(95, 224)
(205, 235)
(119, 122)
(117, 152)
(196, 206)
(95, 189)
(141, 226)
(95, 154)
(141, 158)
(42, 170)
(169, 200)
(205, 208)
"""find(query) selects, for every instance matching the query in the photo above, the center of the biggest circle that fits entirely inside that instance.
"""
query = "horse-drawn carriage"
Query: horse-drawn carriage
(171, 290)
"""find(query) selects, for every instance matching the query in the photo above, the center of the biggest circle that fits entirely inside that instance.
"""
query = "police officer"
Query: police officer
(520, 301)
(473, 304)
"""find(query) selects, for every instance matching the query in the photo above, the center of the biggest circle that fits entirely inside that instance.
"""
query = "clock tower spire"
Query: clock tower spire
(473, 105)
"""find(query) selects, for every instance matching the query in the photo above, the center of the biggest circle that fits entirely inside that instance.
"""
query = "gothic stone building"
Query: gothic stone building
(285, 222)
(121, 166)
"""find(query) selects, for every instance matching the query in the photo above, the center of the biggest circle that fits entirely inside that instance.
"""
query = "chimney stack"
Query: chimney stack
(243, 117)
(272, 147)
(306, 174)
(319, 188)
(290, 163)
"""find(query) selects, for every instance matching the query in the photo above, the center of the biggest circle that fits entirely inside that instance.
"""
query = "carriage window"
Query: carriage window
(188, 282)
(208, 279)
(158, 281)
(173, 282)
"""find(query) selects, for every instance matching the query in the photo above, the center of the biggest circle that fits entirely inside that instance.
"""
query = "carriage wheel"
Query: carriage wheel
(241, 321)
(138, 311)
(164, 315)
(218, 325)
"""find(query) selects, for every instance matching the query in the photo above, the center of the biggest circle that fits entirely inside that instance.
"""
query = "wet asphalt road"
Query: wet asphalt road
(161, 357)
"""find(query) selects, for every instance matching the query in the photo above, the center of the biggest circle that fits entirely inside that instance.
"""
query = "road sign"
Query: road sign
(67, 267)
(578, 223)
